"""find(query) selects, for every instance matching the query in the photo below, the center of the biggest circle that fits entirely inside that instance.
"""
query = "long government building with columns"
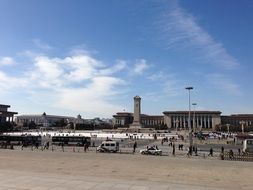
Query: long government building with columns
(172, 119)
(200, 120)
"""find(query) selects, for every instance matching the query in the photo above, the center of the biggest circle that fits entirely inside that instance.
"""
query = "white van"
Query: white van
(108, 146)
(247, 146)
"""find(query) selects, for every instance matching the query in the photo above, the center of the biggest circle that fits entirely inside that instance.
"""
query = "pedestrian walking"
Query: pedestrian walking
(62, 147)
(231, 154)
(134, 146)
(239, 151)
(210, 152)
(222, 153)
(222, 150)
(190, 150)
(173, 149)
(84, 147)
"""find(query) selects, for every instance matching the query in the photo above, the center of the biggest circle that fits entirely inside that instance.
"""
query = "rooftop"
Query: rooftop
(197, 112)
(39, 115)
(6, 106)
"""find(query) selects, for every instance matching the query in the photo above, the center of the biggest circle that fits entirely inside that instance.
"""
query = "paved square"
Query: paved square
(31, 170)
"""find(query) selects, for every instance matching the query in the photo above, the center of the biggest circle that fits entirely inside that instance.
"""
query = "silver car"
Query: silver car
(151, 151)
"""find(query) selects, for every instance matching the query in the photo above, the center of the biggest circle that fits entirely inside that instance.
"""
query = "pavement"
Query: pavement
(20, 180)
(47, 170)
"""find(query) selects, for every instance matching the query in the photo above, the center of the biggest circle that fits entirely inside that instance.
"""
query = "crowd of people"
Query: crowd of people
(170, 142)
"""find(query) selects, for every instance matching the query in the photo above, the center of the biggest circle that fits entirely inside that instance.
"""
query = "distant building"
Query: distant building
(107, 121)
(5, 115)
(236, 119)
(151, 121)
(172, 119)
(42, 119)
(136, 119)
(99, 122)
(199, 119)
(205, 120)
(125, 119)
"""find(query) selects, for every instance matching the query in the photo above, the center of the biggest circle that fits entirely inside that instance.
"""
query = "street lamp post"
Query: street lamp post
(228, 125)
(177, 125)
(194, 119)
(242, 125)
(189, 117)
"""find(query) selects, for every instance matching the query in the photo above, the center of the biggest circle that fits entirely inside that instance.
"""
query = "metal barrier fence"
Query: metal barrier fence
(248, 157)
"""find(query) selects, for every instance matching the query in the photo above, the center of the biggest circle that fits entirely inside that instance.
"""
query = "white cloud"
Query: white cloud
(47, 72)
(10, 83)
(92, 99)
(6, 61)
(120, 65)
(79, 83)
(82, 67)
(180, 30)
(140, 66)
(42, 45)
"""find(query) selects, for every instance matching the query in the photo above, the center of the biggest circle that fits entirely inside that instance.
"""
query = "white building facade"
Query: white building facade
(42, 119)
(200, 120)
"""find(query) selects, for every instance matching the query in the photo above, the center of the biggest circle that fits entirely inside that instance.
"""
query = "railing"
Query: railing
(248, 157)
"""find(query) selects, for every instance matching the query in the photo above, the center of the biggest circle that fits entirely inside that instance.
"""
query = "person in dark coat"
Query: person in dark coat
(134, 146)
(210, 152)
(173, 149)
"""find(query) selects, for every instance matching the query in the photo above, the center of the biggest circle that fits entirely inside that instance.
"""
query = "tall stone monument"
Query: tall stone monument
(137, 113)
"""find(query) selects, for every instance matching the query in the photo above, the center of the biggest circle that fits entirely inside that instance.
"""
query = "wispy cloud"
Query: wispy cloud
(180, 30)
(157, 76)
(140, 66)
(6, 61)
(119, 66)
(224, 83)
(42, 45)
(169, 85)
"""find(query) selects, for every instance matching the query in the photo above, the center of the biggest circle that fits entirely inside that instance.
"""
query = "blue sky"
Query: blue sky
(91, 57)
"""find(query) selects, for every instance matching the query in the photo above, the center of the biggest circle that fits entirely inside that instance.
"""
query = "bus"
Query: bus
(248, 146)
(7, 140)
(25, 140)
(71, 140)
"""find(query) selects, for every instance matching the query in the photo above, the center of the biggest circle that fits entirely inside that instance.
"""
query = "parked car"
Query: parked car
(151, 151)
